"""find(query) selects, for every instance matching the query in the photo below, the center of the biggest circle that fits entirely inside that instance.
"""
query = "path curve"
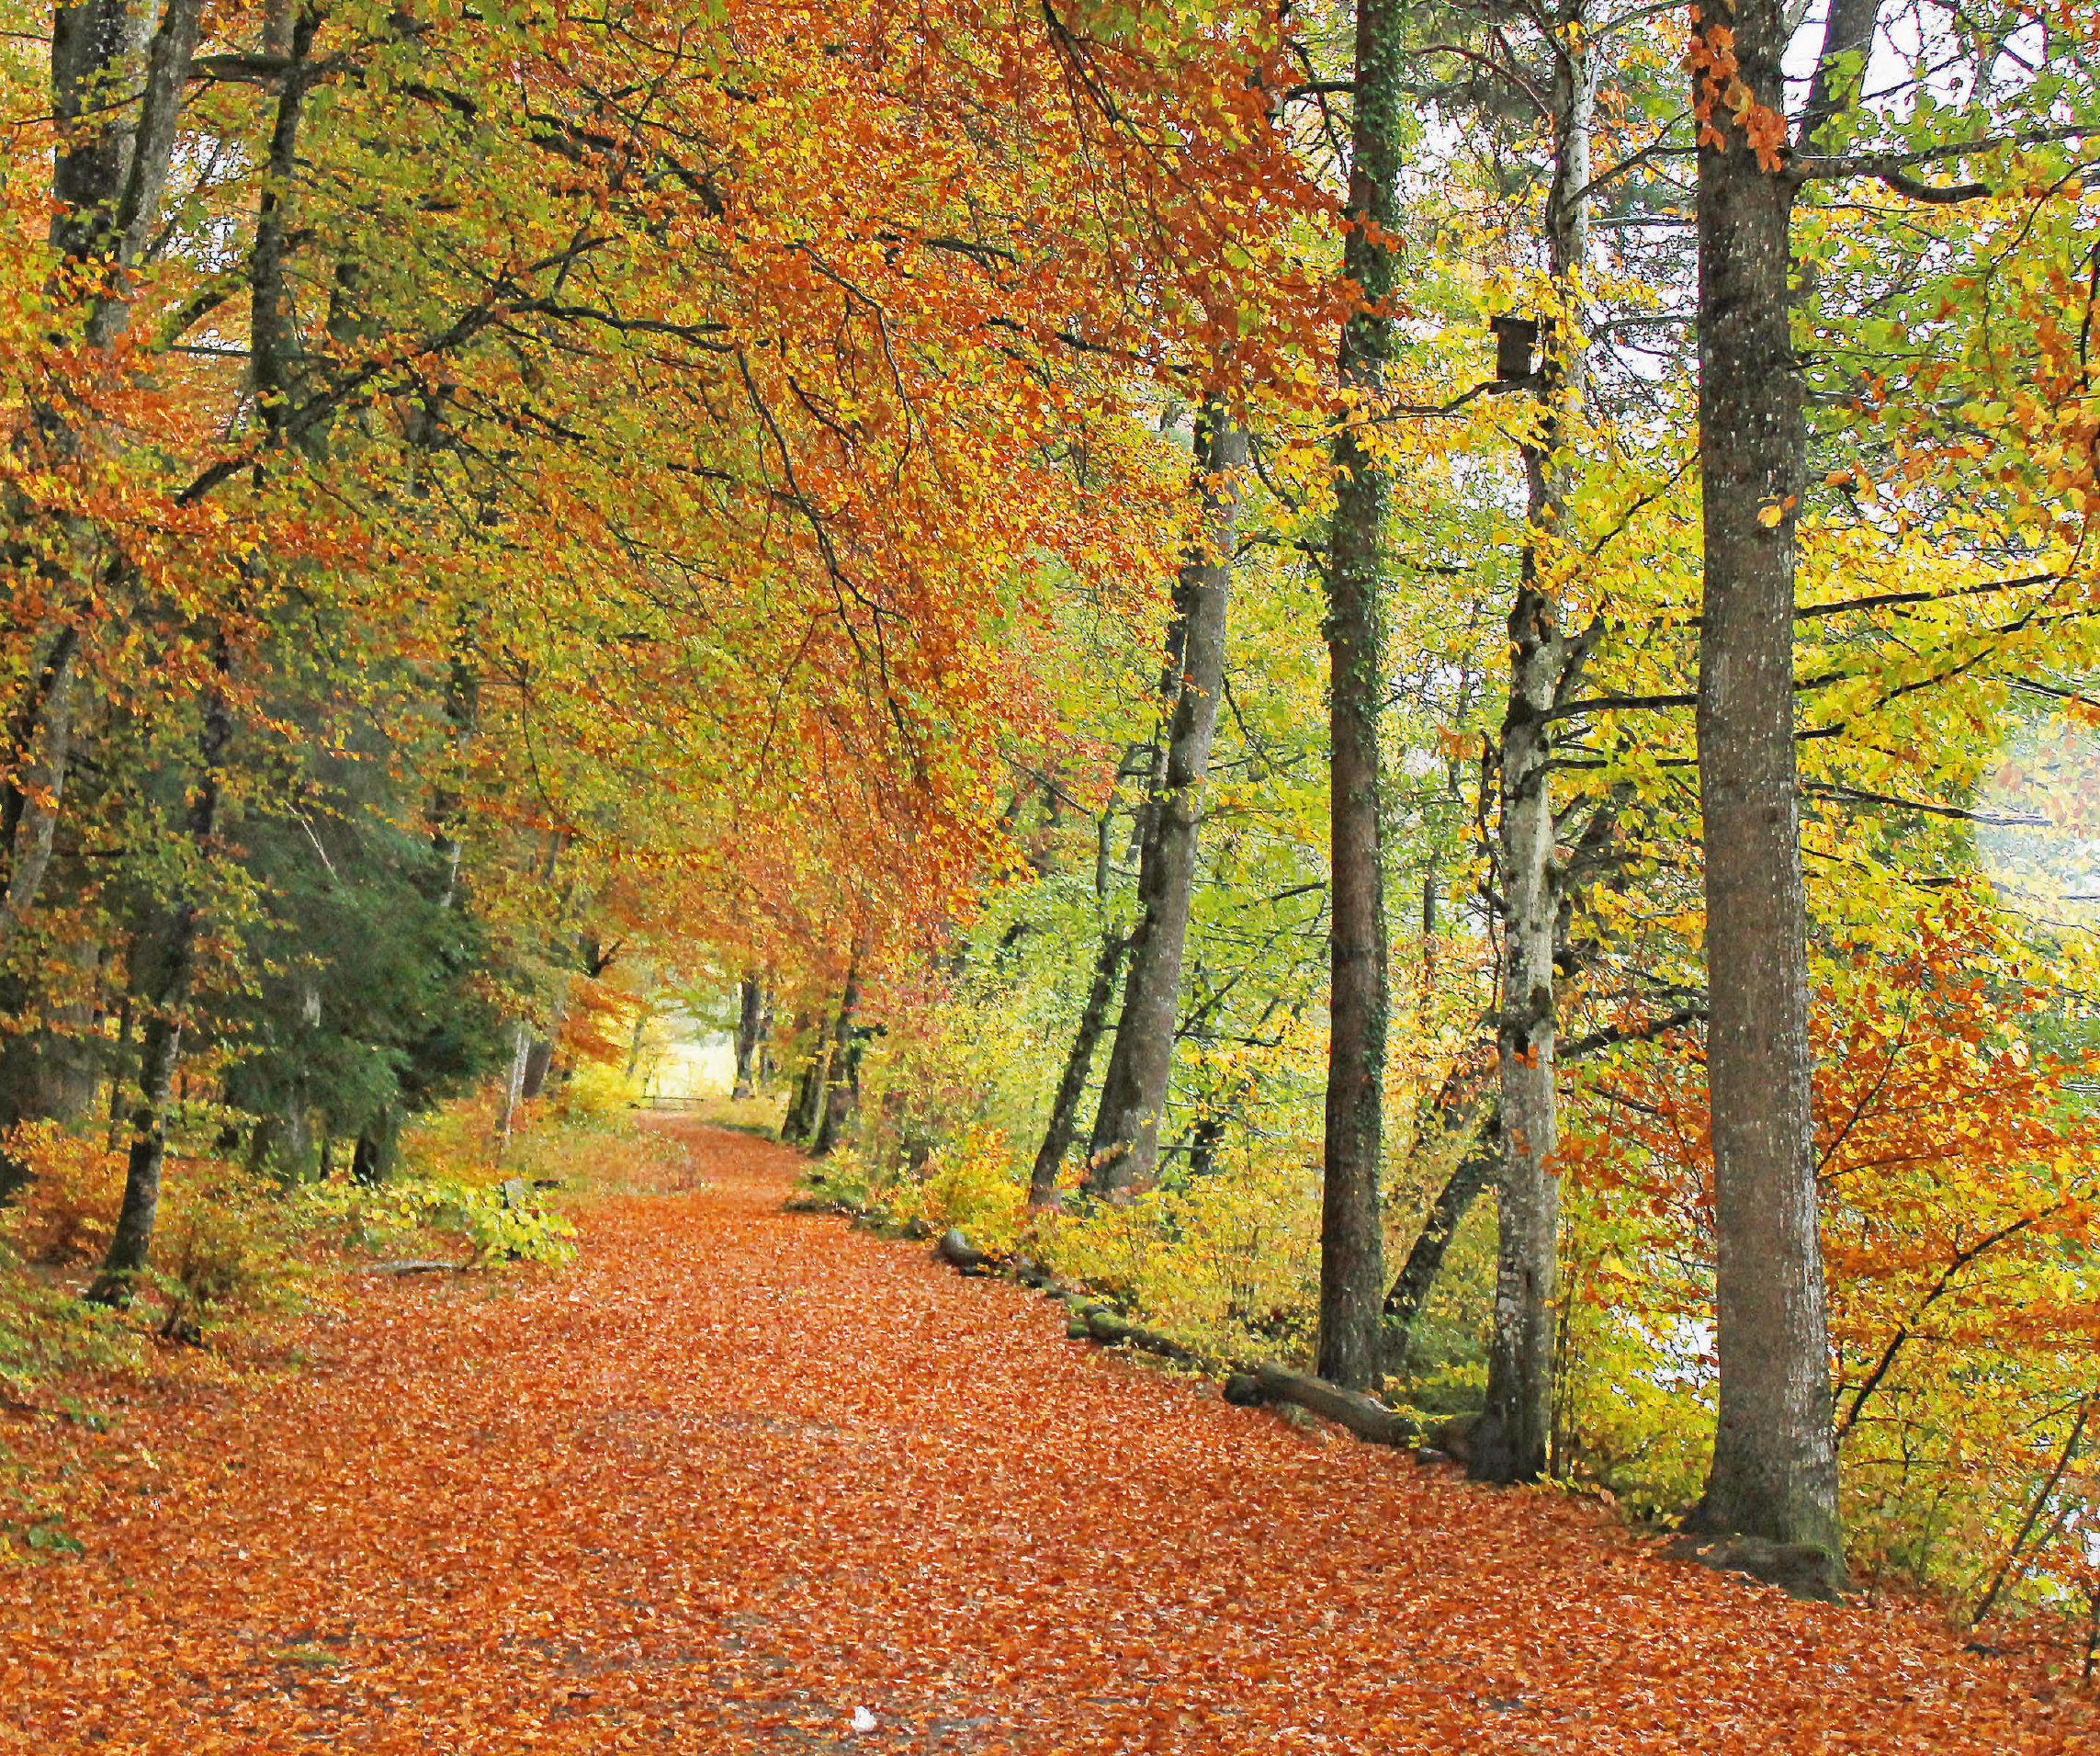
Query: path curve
(740, 1475)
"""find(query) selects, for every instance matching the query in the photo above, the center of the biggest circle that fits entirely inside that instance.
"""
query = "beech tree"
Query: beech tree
(1124, 1151)
(1351, 1247)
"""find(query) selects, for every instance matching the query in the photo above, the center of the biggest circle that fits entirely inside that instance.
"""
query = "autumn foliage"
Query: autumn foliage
(1959, 1185)
(738, 1475)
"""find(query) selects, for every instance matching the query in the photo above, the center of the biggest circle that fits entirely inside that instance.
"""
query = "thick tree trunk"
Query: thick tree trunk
(1774, 1472)
(750, 1007)
(538, 1065)
(1124, 1152)
(372, 1158)
(1065, 1107)
(1511, 1441)
(841, 1086)
(1352, 1249)
(805, 1106)
(35, 784)
(111, 171)
(115, 98)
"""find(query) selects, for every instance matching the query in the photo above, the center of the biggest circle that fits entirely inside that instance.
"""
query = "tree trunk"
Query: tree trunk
(539, 1057)
(163, 1000)
(1774, 1472)
(1352, 1250)
(372, 1158)
(539, 1063)
(750, 999)
(29, 807)
(119, 1074)
(841, 1086)
(1475, 1169)
(114, 110)
(1125, 1151)
(1515, 1431)
(766, 1067)
(513, 1084)
(805, 1107)
(1065, 1107)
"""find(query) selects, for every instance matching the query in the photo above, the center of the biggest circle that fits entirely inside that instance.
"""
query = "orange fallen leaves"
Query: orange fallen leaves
(738, 1475)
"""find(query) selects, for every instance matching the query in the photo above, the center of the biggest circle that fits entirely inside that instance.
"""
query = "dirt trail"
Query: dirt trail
(739, 1474)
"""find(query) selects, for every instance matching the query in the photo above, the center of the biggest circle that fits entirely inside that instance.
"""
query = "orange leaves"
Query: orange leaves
(739, 1478)
(1724, 96)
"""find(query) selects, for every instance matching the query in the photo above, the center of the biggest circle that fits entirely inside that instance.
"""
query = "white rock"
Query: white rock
(863, 1721)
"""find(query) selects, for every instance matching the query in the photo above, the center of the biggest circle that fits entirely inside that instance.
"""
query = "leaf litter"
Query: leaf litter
(742, 1480)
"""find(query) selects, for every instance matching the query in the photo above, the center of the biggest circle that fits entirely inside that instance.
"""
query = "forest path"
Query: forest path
(739, 1473)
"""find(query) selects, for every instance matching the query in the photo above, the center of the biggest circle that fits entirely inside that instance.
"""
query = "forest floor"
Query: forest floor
(737, 1475)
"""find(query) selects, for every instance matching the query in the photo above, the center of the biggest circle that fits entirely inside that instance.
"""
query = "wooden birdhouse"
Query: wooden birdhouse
(1514, 339)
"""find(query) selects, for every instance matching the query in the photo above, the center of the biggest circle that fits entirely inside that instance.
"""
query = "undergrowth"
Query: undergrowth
(236, 1252)
(1228, 1263)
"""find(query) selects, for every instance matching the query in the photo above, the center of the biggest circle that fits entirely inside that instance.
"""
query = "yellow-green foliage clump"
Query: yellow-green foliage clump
(972, 1184)
(1230, 1260)
(1635, 1401)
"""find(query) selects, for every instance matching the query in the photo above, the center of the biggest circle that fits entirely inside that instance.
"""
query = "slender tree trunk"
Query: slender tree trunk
(1775, 1472)
(1410, 1291)
(1514, 1432)
(29, 805)
(1065, 1107)
(165, 994)
(119, 1074)
(635, 1039)
(750, 1000)
(1352, 1249)
(765, 1068)
(513, 1084)
(1125, 1151)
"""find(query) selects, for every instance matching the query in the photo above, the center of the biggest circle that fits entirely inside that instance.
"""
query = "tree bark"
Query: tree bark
(1511, 1439)
(514, 1082)
(751, 1004)
(1774, 1473)
(36, 783)
(1474, 1171)
(805, 1107)
(840, 1093)
(539, 1064)
(1065, 1107)
(1351, 1249)
(372, 1156)
(1124, 1152)
(165, 994)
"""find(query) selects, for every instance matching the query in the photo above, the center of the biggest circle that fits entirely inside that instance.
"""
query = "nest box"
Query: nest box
(1514, 339)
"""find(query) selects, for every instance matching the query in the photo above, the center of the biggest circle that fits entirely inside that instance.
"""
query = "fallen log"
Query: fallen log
(957, 1251)
(399, 1269)
(1247, 1386)
(1365, 1416)
(1104, 1326)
